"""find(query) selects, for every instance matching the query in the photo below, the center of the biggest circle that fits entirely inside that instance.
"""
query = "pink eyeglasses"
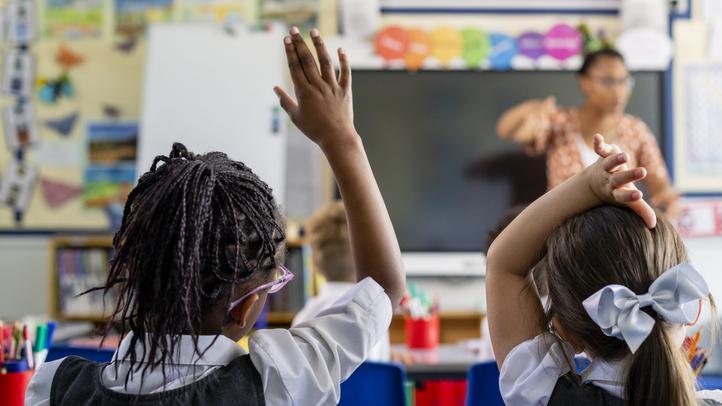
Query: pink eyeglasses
(273, 287)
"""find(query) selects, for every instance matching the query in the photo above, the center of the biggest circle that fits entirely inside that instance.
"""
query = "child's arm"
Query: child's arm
(324, 113)
(513, 309)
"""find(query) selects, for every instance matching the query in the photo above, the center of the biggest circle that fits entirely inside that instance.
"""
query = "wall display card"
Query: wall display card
(21, 22)
(110, 173)
(360, 18)
(17, 185)
(18, 73)
(704, 119)
(218, 11)
(73, 19)
(700, 218)
(133, 16)
(19, 126)
(697, 152)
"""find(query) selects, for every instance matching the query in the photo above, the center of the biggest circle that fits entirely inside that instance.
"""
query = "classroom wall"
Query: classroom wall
(25, 260)
(26, 277)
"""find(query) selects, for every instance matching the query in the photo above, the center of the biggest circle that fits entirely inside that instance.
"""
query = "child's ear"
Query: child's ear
(240, 313)
(562, 333)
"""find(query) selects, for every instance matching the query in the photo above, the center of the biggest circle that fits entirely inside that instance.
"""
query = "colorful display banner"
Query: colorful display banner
(474, 48)
(562, 42)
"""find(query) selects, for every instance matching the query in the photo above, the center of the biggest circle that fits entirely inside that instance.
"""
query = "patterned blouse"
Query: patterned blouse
(560, 137)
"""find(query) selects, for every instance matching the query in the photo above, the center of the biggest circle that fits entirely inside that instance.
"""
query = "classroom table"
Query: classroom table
(447, 361)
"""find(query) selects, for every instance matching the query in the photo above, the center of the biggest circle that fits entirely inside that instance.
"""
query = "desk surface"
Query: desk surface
(448, 361)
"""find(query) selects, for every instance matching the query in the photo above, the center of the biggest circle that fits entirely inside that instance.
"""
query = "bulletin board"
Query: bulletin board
(84, 61)
(62, 151)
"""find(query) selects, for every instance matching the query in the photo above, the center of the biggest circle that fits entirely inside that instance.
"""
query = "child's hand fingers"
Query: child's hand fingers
(294, 64)
(324, 59)
(344, 77)
(613, 161)
(622, 178)
(626, 195)
(632, 198)
(308, 64)
(287, 102)
(644, 211)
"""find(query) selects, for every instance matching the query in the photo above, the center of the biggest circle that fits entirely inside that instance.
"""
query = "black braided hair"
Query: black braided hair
(195, 228)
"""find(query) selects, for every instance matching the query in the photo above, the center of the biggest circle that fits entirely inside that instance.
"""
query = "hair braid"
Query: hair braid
(193, 228)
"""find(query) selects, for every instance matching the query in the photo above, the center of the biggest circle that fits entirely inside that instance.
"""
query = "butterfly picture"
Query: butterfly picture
(51, 91)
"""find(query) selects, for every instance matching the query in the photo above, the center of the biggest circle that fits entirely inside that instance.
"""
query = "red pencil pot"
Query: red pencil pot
(422, 333)
(12, 387)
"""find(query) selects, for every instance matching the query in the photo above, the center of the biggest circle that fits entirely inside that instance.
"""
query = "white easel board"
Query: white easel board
(211, 88)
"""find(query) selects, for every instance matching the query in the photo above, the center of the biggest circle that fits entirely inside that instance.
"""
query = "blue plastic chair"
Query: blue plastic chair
(710, 382)
(483, 385)
(375, 383)
(89, 353)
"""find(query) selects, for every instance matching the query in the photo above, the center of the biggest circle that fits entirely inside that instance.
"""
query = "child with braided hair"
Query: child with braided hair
(201, 247)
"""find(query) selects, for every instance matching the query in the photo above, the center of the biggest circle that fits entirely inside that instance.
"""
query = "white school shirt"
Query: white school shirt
(304, 365)
(327, 297)
(531, 371)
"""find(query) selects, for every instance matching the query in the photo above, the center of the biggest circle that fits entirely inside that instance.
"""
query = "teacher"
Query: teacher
(565, 135)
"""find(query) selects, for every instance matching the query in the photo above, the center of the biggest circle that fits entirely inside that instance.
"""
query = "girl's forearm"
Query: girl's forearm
(518, 246)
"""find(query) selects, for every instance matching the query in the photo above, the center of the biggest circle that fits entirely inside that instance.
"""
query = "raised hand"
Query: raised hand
(612, 181)
(323, 110)
(548, 107)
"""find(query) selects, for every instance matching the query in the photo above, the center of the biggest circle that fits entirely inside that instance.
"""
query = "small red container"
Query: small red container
(12, 387)
(442, 392)
(422, 333)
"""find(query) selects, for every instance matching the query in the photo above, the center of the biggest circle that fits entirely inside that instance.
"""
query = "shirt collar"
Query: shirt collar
(335, 288)
(608, 375)
(218, 353)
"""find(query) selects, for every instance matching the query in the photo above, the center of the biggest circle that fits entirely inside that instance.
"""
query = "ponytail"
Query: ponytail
(660, 373)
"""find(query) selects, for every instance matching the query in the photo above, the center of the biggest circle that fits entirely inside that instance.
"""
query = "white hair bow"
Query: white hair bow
(673, 295)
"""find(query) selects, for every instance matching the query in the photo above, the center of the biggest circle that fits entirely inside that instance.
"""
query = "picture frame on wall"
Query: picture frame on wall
(697, 156)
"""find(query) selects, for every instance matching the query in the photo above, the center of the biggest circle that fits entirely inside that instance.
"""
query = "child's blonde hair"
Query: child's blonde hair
(327, 233)
(611, 245)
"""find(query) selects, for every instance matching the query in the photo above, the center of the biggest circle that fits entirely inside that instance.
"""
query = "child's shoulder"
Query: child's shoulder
(38, 391)
(531, 369)
(710, 397)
